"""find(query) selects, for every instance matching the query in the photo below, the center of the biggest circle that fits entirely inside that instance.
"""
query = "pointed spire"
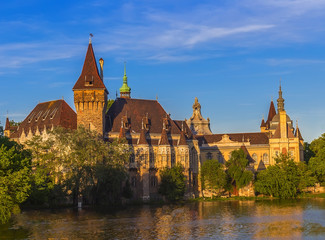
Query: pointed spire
(89, 77)
(182, 139)
(280, 100)
(164, 137)
(298, 133)
(263, 123)
(271, 114)
(125, 90)
(142, 138)
(7, 127)
(122, 130)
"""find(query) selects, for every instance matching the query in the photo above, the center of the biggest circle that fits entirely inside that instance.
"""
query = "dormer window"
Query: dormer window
(38, 115)
(89, 81)
(53, 113)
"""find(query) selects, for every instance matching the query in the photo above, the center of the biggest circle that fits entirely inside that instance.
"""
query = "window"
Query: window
(266, 158)
(132, 158)
(209, 156)
(152, 157)
(173, 159)
(153, 181)
(220, 158)
(133, 181)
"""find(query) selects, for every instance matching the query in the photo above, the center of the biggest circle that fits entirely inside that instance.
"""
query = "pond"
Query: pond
(259, 219)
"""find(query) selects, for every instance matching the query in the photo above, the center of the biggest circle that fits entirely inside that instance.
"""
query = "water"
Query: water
(267, 219)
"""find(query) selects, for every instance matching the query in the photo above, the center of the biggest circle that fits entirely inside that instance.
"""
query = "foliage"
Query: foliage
(285, 179)
(213, 176)
(1, 130)
(317, 163)
(109, 104)
(308, 152)
(81, 163)
(15, 167)
(237, 173)
(172, 182)
(13, 123)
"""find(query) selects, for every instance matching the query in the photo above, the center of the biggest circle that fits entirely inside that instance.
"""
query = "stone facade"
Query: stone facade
(91, 108)
(197, 123)
(155, 139)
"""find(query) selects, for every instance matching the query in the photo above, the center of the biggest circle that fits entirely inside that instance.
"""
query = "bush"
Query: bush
(172, 184)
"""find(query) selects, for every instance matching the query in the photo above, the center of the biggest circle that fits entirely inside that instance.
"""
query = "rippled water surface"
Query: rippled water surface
(267, 219)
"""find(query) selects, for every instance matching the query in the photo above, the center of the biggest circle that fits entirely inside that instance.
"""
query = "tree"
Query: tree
(317, 163)
(237, 173)
(286, 179)
(15, 167)
(82, 162)
(172, 184)
(1, 130)
(213, 176)
(308, 152)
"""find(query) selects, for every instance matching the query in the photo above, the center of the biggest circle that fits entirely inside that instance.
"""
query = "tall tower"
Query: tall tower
(125, 90)
(90, 94)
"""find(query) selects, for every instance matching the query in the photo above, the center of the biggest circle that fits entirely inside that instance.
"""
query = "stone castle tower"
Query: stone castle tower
(90, 94)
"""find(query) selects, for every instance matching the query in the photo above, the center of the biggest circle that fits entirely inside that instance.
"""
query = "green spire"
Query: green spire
(125, 90)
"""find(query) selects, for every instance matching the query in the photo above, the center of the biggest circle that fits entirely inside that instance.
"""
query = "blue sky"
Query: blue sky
(229, 54)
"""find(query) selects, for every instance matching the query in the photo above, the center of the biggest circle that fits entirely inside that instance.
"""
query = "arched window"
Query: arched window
(220, 158)
(266, 158)
(209, 156)
(132, 158)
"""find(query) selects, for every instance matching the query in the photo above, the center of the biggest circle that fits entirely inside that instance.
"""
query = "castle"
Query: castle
(155, 139)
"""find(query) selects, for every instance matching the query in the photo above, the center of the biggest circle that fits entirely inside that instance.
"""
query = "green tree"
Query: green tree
(213, 176)
(237, 173)
(286, 179)
(308, 152)
(1, 130)
(317, 163)
(15, 167)
(81, 162)
(172, 184)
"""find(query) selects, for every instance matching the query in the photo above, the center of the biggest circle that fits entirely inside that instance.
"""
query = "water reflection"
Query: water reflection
(295, 219)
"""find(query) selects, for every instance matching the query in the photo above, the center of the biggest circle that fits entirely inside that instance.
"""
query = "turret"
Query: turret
(90, 94)
(125, 90)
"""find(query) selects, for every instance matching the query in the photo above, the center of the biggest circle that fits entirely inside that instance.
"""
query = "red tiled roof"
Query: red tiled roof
(182, 140)
(277, 133)
(263, 124)
(134, 111)
(89, 73)
(142, 138)
(254, 138)
(272, 113)
(164, 138)
(187, 130)
(48, 114)
(7, 127)
(298, 134)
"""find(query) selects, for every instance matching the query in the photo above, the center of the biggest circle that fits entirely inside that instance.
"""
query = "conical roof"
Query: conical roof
(142, 138)
(7, 127)
(298, 134)
(271, 114)
(182, 139)
(263, 123)
(89, 77)
(164, 137)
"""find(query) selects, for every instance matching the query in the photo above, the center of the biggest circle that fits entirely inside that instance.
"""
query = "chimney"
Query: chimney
(101, 62)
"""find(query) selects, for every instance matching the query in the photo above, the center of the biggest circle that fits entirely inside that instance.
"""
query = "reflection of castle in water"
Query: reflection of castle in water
(267, 219)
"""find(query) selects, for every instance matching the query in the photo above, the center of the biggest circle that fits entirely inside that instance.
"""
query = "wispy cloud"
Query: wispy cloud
(293, 61)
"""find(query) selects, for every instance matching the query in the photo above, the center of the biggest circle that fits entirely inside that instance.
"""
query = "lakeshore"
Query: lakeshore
(217, 219)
